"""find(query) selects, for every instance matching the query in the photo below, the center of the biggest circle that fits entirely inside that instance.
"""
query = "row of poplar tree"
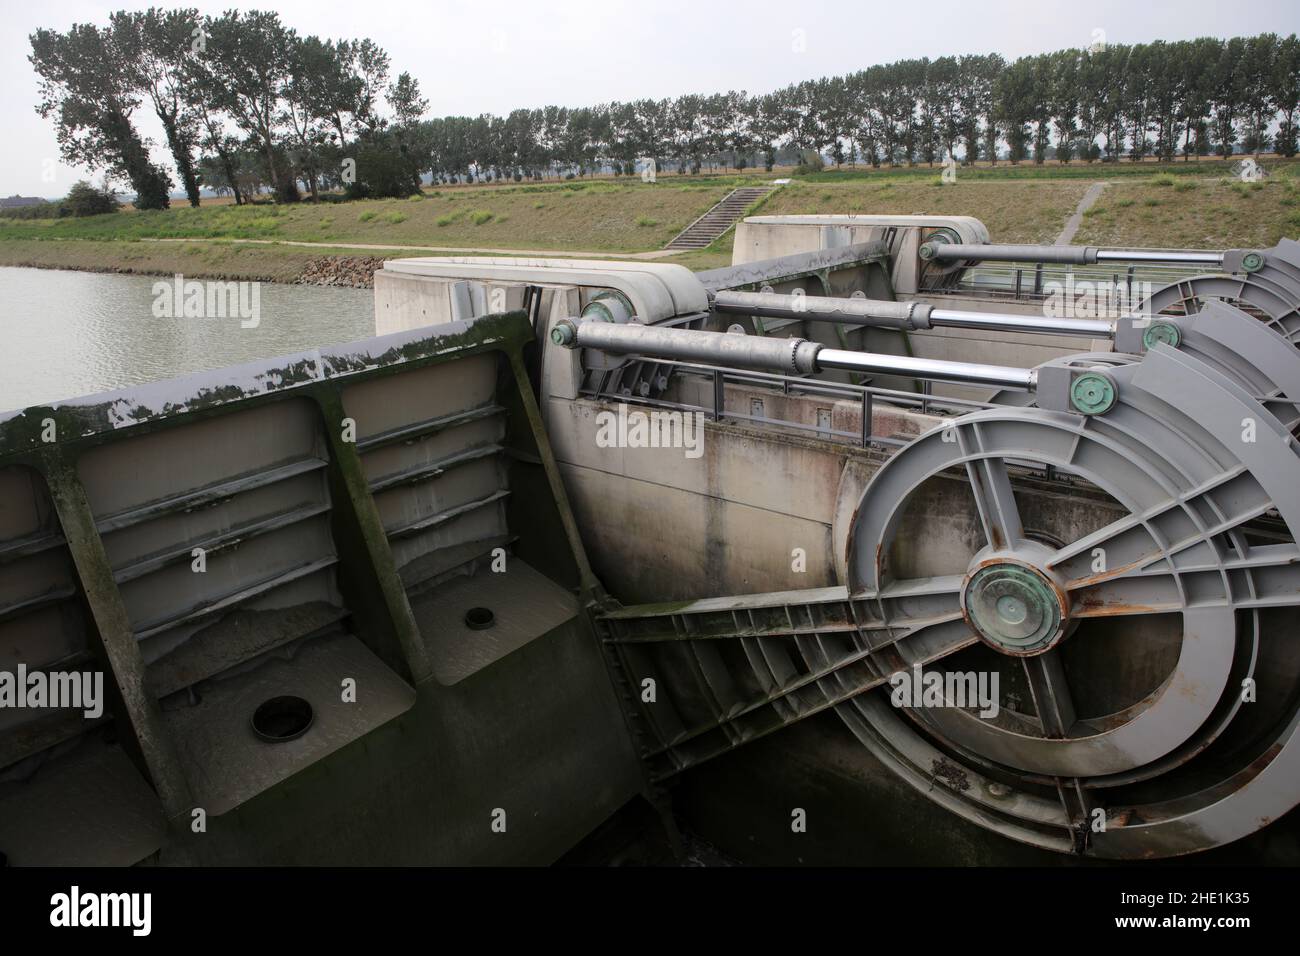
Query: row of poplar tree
(248, 105)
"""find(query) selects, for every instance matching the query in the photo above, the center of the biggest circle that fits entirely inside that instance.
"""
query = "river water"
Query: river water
(65, 334)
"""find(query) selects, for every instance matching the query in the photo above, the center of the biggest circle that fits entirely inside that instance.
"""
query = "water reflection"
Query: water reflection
(64, 334)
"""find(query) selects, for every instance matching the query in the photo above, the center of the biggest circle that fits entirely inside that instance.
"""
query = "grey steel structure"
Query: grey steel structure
(1097, 514)
(1225, 336)
(1187, 428)
(1267, 280)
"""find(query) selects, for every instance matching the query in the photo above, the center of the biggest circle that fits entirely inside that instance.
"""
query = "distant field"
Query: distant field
(1195, 204)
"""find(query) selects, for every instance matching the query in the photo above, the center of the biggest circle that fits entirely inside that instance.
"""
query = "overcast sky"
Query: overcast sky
(475, 57)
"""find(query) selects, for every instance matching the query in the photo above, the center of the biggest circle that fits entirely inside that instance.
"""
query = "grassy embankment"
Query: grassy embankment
(1195, 213)
(1193, 205)
(599, 217)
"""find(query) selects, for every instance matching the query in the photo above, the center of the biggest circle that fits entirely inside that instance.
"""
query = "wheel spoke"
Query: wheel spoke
(995, 501)
(1126, 595)
(922, 614)
(1265, 576)
(1051, 693)
(1176, 534)
(838, 682)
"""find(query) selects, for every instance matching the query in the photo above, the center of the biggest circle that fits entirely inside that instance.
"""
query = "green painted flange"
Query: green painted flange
(1252, 261)
(1092, 393)
(598, 311)
(1013, 608)
(602, 311)
(1162, 332)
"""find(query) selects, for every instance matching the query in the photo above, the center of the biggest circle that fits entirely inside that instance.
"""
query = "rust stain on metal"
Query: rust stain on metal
(1092, 605)
(1123, 818)
(1108, 574)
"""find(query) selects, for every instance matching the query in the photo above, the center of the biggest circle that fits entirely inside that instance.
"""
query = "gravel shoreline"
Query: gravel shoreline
(350, 272)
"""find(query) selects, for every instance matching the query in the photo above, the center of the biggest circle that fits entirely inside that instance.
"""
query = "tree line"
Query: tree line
(243, 100)
(248, 104)
(1188, 98)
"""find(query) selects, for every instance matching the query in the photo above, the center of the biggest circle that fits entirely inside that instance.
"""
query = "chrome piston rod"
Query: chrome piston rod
(789, 356)
(908, 316)
(934, 370)
(938, 251)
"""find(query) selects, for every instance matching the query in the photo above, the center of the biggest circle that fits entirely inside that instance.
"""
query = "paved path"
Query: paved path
(444, 250)
(1074, 222)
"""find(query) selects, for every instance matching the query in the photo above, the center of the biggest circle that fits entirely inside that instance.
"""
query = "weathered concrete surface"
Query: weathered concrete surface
(657, 291)
(409, 301)
(660, 526)
(767, 237)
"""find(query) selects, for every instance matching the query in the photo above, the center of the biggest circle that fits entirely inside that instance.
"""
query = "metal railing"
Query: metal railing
(865, 396)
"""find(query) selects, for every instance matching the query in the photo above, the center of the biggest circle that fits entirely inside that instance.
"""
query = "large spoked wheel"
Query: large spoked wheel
(1144, 646)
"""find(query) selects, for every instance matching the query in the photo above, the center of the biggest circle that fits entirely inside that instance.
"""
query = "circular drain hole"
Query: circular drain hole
(479, 618)
(282, 718)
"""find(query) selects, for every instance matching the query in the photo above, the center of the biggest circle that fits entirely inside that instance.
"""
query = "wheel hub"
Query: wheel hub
(1013, 607)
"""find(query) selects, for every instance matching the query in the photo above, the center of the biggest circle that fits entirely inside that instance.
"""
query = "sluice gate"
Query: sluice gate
(338, 603)
(857, 525)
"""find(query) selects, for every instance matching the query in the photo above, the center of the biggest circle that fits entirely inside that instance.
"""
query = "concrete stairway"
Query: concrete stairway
(718, 219)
